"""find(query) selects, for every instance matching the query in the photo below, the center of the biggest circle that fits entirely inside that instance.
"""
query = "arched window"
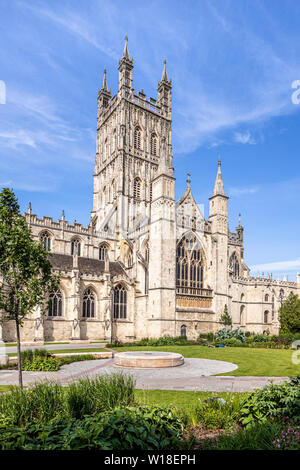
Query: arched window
(137, 188)
(266, 316)
(137, 138)
(242, 316)
(55, 304)
(103, 251)
(234, 265)
(242, 297)
(75, 247)
(120, 302)
(189, 266)
(46, 240)
(266, 298)
(183, 330)
(88, 304)
(153, 144)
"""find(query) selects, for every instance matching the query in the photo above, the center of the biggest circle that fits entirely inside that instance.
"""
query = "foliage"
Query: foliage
(46, 401)
(163, 341)
(226, 319)
(41, 364)
(259, 437)
(272, 401)
(139, 428)
(289, 438)
(218, 413)
(226, 333)
(290, 315)
(25, 268)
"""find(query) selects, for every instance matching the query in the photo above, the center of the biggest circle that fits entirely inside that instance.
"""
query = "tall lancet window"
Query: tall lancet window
(55, 304)
(120, 302)
(153, 145)
(75, 247)
(46, 240)
(137, 138)
(234, 265)
(103, 251)
(137, 188)
(189, 266)
(88, 304)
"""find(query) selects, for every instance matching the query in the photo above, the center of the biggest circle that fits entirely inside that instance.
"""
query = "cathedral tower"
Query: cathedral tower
(218, 217)
(133, 132)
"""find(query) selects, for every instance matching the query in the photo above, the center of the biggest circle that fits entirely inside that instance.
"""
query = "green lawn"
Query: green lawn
(60, 351)
(250, 361)
(183, 400)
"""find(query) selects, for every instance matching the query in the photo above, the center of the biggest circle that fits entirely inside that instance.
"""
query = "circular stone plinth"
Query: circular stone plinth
(148, 359)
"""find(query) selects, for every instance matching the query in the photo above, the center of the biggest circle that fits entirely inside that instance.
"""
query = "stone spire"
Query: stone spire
(29, 208)
(164, 77)
(104, 83)
(219, 186)
(125, 51)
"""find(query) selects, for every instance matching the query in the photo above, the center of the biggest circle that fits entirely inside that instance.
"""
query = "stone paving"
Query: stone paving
(195, 375)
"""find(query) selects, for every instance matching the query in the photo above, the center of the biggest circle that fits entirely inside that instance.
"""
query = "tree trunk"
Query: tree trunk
(19, 355)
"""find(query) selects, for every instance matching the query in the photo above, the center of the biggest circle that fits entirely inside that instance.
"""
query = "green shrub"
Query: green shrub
(217, 413)
(140, 428)
(232, 342)
(273, 401)
(226, 333)
(41, 364)
(259, 437)
(46, 401)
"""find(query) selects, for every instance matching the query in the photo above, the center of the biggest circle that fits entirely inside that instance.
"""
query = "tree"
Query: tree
(26, 277)
(226, 319)
(289, 316)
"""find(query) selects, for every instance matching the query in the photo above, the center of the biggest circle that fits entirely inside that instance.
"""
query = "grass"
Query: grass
(65, 351)
(250, 362)
(5, 388)
(184, 401)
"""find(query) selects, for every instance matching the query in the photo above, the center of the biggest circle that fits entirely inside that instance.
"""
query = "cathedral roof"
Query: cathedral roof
(188, 197)
(85, 265)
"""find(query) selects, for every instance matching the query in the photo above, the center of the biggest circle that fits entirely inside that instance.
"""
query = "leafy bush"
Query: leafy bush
(46, 401)
(163, 341)
(231, 342)
(217, 413)
(290, 315)
(259, 437)
(140, 428)
(41, 364)
(226, 333)
(272, 401)
(289, 438)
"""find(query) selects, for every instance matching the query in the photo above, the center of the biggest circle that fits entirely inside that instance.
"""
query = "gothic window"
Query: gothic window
(46, 240)
(88, 304)
(55, 304)
(153, 145)
(120, 302)
(189, 266)
(183, 330)
(103, 251)
(266, 316)
(137, 138)
(234, 265)
(266, 298)
(75, 247)
(242, 316)
(137, 188)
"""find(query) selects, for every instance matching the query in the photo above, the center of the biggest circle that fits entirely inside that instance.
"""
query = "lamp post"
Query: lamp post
(112, 290)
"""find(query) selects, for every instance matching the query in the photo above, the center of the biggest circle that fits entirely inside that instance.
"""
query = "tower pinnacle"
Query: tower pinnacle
(164, 77)
(104, 83)
(125, 51)
(219, 186)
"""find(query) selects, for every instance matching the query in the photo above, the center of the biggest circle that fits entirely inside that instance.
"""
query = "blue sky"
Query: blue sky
(232, 64)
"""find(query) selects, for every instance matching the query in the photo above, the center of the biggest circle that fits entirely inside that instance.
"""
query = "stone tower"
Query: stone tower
(132, 134)
(218, 217)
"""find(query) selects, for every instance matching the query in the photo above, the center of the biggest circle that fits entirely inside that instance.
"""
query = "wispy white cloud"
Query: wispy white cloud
(237, 192)
(279, 266)
(244, 138)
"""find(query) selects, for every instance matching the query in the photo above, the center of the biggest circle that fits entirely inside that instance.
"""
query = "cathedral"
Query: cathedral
(146, 265)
